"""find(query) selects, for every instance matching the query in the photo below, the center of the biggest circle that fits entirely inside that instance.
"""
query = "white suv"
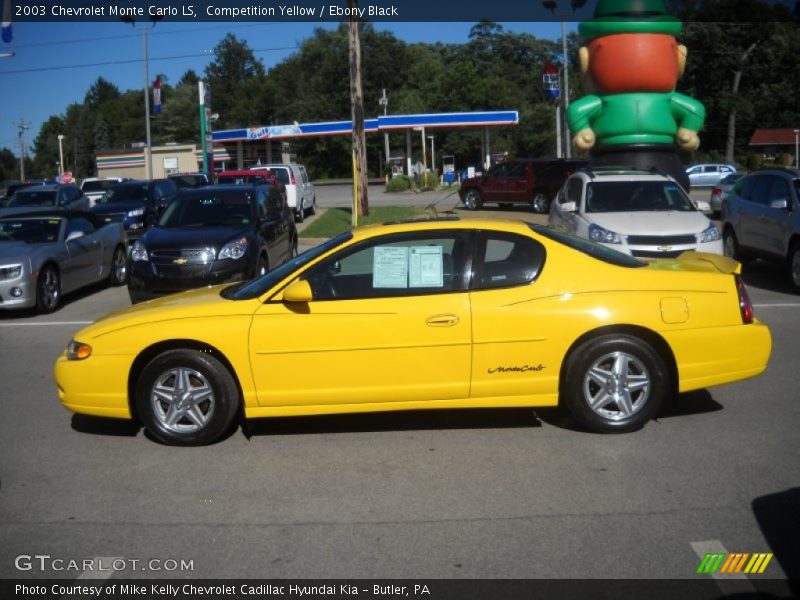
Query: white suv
(300, 194)
(640, 213)
(95, 187)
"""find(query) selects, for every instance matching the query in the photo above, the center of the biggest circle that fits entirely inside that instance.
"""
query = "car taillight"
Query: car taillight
(745, 306)
(291, 175)
(716, 191)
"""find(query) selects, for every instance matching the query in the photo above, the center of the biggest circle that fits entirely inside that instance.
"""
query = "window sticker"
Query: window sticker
(426, 268)
(390, 267)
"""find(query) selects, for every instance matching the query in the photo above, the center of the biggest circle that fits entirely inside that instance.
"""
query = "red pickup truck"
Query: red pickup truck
(533, 181)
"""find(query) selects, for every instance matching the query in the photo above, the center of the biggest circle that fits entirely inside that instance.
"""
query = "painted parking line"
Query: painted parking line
(46, 323)
(729, 584)
(777, 305)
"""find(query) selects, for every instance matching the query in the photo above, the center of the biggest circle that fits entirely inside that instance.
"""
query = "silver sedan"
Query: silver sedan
(46, 255)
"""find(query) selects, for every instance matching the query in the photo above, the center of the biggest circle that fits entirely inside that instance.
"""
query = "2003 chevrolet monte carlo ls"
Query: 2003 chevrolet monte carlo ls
(439, 313)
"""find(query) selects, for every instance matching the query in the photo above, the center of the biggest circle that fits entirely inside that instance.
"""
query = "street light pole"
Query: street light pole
(796, 140)
(60, 154)
(433, 154)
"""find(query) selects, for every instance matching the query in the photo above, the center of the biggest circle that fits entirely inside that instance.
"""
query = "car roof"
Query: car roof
(622, 175)
(50, 187)
(224, 187)
(234, 173)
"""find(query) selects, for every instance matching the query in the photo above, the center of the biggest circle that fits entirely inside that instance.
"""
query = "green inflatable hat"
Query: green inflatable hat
(630, 16)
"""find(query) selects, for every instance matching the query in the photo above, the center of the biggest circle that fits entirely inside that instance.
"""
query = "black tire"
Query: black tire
(48, 289)
(183, 420)
(617, 408)
(472, 199)
(540, 203)
(730, 245)
(313, 209)
(300, 213)
(793, 266)
(118, 274)
(293, 252)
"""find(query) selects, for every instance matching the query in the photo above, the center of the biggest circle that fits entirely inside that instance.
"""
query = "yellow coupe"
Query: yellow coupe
(440, 313)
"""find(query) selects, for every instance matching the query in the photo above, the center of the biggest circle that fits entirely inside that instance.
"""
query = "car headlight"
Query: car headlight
(10, 271)
(603, 235)
(78, 351)
(711, 234)
(136, 212)
(139, 252)
(234, 249)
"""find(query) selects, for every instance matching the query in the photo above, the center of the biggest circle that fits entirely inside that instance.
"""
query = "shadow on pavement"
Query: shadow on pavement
(778, 516)
(766, 275)
(394, 421)
(691, 403)
(105, 426)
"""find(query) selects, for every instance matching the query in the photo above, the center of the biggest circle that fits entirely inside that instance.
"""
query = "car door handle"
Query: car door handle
(442, 320)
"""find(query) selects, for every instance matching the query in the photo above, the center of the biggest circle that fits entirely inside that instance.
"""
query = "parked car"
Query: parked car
(49, 197)
(709, 174)
(521, 181)
(644, 214)
(300, 193)
(94, 187)
(189, 180)
(46, 255)
(13, 187)
(442, 313)
(720, 191)
(761, 219)
(212, 235)
(136, 204)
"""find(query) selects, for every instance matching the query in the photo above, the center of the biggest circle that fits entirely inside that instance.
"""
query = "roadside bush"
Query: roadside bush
(783, 159)
(429, 181)
(401, 183)
(754, 161)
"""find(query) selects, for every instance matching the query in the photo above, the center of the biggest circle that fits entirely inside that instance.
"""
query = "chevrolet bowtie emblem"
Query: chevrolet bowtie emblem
(180, 261)
(664, 248)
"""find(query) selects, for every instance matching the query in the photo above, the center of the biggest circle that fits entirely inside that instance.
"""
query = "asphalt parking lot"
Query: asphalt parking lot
(467, 494)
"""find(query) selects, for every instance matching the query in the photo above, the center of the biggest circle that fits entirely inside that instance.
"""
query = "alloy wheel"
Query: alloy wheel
(182, 400)
(616, 386)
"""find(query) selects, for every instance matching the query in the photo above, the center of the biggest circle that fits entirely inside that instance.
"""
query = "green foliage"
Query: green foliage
(401, 183)
(336, 220)
(429, 181)
(783, 159)
(754, 161)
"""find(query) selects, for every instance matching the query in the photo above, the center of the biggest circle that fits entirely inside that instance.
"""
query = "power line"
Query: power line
(134, 60)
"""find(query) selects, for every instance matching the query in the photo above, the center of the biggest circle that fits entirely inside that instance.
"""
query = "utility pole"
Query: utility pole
(384, 102)
(729, 144)
(22, 126)
(357, 104)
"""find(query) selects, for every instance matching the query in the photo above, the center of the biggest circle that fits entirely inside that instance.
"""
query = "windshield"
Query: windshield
(636, 196)
(126, 193)
(98, 186)
(30, 231)
(232, 208)
(255, 288)
(28, 197)
(598, 251)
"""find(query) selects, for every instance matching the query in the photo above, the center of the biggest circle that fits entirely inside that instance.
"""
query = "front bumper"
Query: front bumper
(148, 280)
(666, 250)
(96, 386)
(25, 283)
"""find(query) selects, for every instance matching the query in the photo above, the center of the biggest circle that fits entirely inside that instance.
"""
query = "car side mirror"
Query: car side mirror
(568, 207)
(780, 203)
(74, 235)
(298, 292)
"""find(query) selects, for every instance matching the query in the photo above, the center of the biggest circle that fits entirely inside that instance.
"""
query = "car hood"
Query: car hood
(116, 207)
(651, 223)
(168, 238)
(194, 304)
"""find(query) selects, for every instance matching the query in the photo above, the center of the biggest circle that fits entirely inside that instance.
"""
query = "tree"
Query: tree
(189, 78)
(234, 64)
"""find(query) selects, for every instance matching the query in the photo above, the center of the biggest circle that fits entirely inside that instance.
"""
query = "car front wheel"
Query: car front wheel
(186, 398)
(540, 202)
(730, 246)
(615, 383)
(794, 267)
(472, 199)
(48, 290)
(119, 267)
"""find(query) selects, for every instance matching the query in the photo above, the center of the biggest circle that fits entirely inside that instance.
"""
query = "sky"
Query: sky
(43, 77)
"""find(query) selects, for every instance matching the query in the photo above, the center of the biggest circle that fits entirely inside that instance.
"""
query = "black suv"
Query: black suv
(761, 219)
(135, 204)
(212, 235)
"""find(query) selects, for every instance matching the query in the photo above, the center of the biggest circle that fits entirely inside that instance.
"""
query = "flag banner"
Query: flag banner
(157, 95)
(551, 81)
(7, 31)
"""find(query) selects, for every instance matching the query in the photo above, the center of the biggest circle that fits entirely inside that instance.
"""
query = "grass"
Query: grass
(337, 220)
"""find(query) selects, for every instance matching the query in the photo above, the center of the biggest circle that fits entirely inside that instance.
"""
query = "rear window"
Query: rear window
(98, 186)
(594, 250)
(282, 174)
(29, 197)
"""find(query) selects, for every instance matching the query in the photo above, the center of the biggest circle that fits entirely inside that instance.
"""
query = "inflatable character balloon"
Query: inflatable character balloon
(633, 117)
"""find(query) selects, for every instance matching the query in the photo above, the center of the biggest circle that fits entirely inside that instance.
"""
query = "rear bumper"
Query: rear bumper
(718, 355)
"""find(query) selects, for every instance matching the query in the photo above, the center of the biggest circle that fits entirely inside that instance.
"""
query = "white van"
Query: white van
(300, 194)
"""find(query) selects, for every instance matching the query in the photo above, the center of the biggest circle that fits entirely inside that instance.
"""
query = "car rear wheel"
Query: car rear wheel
(472, 199)
(540, 202)
(300, 213)
(48, 289)
(730, 245)
(793, 263)
(313, 209)
(615, 383)
(119, 267)
(262, 266)
(186, 398)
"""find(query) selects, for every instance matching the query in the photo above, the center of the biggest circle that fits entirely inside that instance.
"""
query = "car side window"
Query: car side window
(516, 170)
(506, 260)
(80, 224)
(761, 187)
(394, 266)
(574, 191)
(710, 169)
(261, 205)
(744, 187)
(779, 190)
